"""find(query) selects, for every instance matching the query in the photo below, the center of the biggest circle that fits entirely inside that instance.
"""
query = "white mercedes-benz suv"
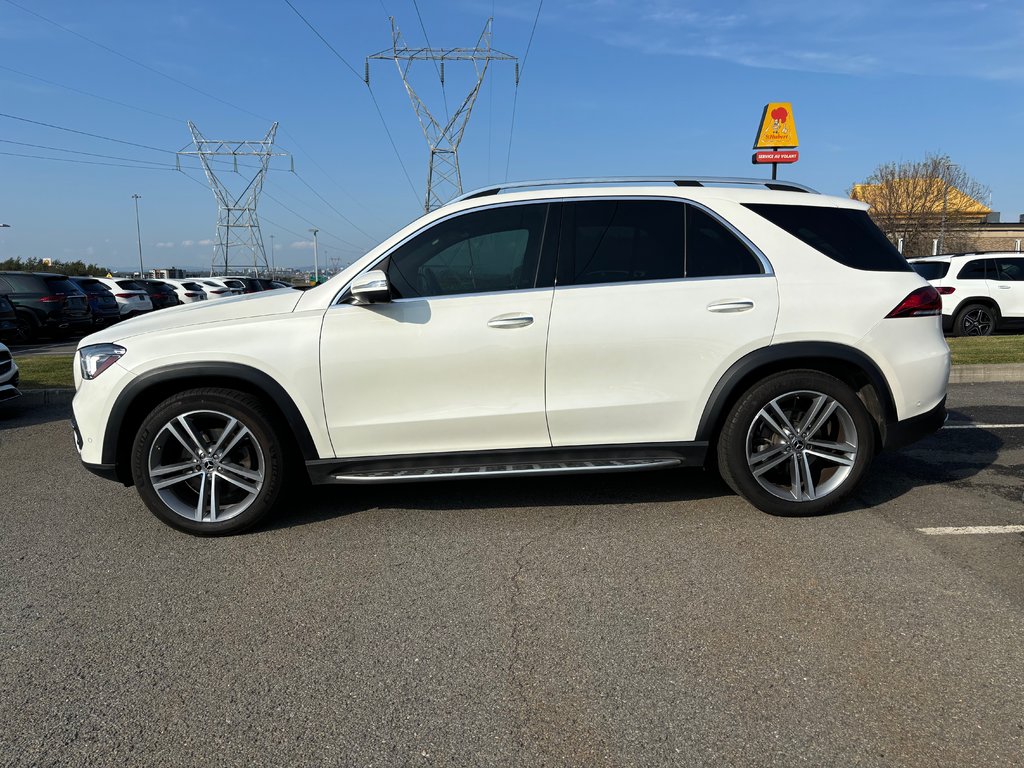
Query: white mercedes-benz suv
(546, 327)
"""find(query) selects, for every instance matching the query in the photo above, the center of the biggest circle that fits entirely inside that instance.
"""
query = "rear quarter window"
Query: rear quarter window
(931, 270)
(845, 235)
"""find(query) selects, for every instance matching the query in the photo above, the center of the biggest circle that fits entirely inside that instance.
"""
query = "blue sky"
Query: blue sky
(609, 88)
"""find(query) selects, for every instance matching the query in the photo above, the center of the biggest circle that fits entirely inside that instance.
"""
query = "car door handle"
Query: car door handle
(511, 320)
(1005, 287)
(734, 305)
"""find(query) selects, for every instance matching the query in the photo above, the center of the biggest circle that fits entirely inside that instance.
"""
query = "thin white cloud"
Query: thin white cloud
(302, 245)
(187, 243)
(206, 242)
(165, 245)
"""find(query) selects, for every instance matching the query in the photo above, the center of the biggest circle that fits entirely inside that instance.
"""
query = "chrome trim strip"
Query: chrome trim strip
(623, 465)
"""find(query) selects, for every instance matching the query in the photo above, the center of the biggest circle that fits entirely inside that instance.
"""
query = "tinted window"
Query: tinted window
(192, 286)
(25, 284)
(931, 270)
(131, 285)
(843, 234)
(1010, 269)
(977, 270)
(492, 250)
(5, 285)
(62, 285)
(612, 241)
(713, 251)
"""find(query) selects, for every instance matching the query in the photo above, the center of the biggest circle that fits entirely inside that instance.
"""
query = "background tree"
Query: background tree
(78, 267)
(923, 201)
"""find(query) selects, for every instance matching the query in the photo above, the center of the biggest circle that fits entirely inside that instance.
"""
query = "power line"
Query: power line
(380, 114)
(85, 133)
(136, 62)
(90, 162)
(437, 68)
(87, 93)
(308, 221)
(78, 152)
(515, 97)
(343, 216)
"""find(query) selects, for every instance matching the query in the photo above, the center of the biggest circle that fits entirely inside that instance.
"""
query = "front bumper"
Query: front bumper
(901, 433)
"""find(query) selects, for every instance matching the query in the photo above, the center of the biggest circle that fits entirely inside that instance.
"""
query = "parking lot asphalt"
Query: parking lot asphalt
(621, 620)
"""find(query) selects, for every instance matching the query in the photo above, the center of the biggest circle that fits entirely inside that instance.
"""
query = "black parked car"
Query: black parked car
(45, 302)
(8, 320)
(161, 294)
(102, 303)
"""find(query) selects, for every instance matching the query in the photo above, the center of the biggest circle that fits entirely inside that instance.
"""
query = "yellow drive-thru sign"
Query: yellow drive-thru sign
(778, 129)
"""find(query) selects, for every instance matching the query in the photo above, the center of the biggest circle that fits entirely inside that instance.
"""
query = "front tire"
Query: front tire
(208, 461)
(975, 320)
(796, 444)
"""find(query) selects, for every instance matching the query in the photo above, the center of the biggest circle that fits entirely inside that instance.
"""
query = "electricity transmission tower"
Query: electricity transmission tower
(238, 228)
(444, 180)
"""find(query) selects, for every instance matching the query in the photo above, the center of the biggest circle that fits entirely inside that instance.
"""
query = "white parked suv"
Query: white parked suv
(9, 375)
(188, 291)
(981, 292)
(132, 298)
(530, 329)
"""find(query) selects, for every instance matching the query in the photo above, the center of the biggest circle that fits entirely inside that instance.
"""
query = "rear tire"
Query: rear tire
(796, 444)
(975, 320)
(208, 461)
(28, 329)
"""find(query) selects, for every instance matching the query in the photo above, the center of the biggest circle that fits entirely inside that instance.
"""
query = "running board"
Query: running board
(504, 470)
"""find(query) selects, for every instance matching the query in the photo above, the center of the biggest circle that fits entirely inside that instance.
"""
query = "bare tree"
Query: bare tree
(924, 201)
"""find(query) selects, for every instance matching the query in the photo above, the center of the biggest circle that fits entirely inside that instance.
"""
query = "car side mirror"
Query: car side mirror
(371, 288)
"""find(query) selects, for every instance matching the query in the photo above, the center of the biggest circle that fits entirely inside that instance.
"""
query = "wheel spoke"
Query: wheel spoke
(252, 488)
(169, 469)
(173, 431)
(223, 435)
(192, 435)
(254, 475)
(819, 401)
(783, 417)
(213, 497)
(846, 461)
(809, 489)
(794, 477)
(242, 432)
(780, 431)
(202, 498)
(822, 418)
(762, 461)
(176, 479)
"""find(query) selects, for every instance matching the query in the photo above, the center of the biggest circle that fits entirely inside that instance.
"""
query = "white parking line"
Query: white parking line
(972, 529)
(984, 426)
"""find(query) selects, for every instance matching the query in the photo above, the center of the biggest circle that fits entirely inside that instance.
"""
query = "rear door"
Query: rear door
(1008, 286)
(655, 299)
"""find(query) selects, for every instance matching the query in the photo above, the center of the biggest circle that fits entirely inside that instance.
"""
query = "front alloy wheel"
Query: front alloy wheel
(208, 461)
(975, 320)
(796, 444)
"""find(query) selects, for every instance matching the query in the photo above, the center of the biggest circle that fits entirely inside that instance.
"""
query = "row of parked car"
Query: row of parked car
(37, 303)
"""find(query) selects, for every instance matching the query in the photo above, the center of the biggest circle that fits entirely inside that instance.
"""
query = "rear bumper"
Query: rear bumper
(901, 433)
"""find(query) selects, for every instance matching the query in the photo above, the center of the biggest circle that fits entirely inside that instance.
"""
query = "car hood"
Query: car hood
(261, 304)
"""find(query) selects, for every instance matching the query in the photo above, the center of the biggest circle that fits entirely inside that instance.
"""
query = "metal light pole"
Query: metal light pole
(138, 231)
(947, 169)
(273, 267)
(316, 258)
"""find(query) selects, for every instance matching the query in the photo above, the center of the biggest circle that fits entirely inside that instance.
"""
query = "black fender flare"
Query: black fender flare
(202, 374)
(803, 354)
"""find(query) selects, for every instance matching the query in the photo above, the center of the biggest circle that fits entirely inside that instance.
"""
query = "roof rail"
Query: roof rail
(679, 181)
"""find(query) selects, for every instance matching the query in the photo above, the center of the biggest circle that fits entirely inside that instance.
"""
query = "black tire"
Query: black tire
(217, 486)
(829, 459)
(28, 329)
(975, 320)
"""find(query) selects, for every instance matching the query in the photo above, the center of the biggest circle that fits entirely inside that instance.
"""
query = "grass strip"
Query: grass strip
(45, 371)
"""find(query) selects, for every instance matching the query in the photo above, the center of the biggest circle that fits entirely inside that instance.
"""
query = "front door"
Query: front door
(455, 362)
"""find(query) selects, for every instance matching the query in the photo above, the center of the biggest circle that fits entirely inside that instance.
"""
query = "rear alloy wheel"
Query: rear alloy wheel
(27, 330)
(975, 320)
(797, 444)
(207, 461)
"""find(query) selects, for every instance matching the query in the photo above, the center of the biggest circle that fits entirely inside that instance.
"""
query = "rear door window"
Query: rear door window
(846, 235)
(978, 269)
(1010, 269)
(62, 285)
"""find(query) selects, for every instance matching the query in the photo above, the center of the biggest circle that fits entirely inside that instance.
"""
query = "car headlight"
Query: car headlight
(95, 359)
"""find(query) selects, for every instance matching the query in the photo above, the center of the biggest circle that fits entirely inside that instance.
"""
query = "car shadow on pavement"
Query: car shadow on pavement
(950, 456)
(14, 413)
(326, 502)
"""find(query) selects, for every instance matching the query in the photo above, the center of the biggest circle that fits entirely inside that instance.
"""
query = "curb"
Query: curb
(37, 397)
(986, 374)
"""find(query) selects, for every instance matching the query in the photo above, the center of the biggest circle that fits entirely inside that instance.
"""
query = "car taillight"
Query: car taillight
(124, 295)
(920, 303)
(945, 291)
(57, 297)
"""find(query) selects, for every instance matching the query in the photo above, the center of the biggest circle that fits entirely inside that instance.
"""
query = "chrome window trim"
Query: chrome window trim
(343, 293)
